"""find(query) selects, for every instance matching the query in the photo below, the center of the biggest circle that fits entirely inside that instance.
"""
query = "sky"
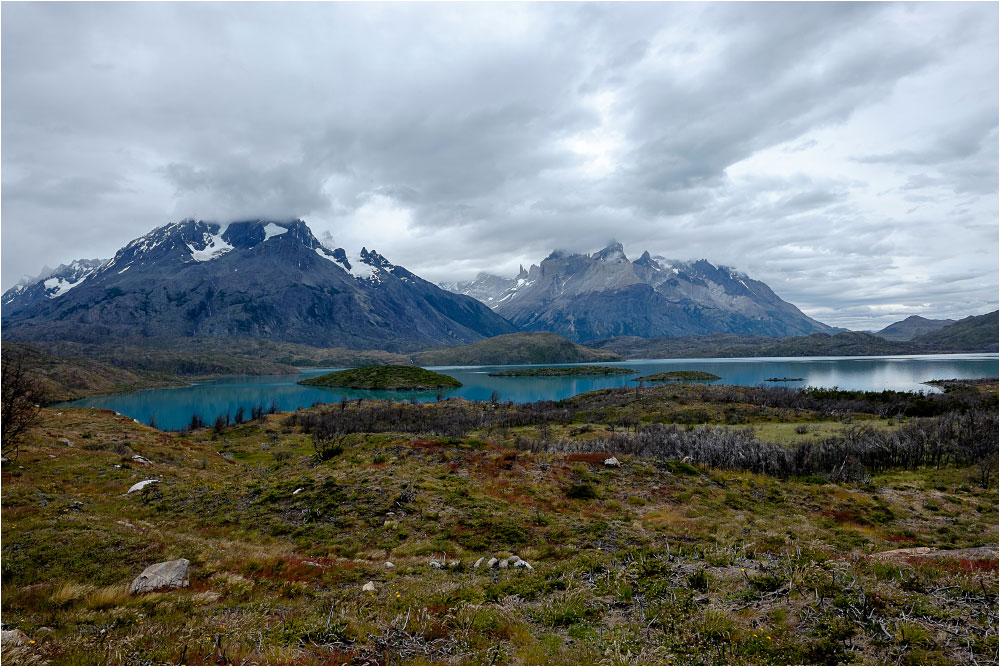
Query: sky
(844, 153)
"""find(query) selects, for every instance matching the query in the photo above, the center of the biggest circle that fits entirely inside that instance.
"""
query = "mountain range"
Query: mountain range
(605, 294)
(253, 279)
(912, 327)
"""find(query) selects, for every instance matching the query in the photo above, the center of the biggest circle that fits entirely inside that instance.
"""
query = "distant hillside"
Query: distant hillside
(69, 378)
(979, 333)
(519, 348)
(912, 327)
(848, 343)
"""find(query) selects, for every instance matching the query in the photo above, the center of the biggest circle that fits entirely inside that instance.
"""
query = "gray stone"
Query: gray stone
(139, 486)
(141, 459)
(475, 566)
(523, 564)
(503, 564)
(13, 638)
(612, 462)
(369, 587)
(169, 574)
(389, 565)
(66, 442)
(436, 565)
(491, 563)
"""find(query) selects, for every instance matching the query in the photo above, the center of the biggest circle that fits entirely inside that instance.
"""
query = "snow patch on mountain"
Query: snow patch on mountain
(214, 246)
(272, 229)
(57, 286)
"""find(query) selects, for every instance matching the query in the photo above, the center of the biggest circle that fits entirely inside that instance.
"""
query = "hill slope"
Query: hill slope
(520, 348)
(912, 327)
(975, 333)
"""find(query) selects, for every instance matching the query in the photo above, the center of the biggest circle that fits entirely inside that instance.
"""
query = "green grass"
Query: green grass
(656, 562)
(385, 377)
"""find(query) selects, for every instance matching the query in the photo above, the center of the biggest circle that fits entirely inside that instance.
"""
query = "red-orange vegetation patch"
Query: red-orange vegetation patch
(965, 565)
(426, 444)
(596, 458)
(844, 516)
(289, 568)
(900, 538)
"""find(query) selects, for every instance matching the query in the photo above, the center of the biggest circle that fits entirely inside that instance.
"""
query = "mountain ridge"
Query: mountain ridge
(604, 294)
(253, 279)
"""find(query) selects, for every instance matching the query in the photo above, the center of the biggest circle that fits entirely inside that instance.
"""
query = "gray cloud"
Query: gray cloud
(844, 153)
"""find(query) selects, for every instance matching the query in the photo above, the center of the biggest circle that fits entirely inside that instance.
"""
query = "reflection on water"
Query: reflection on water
(172, 408)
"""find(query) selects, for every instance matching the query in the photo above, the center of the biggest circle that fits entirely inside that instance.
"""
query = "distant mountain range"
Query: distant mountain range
(912, 327)
(590, 297)
(255, 279)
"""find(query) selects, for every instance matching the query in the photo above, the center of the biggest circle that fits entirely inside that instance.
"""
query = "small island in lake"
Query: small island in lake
(679, 375)
(786, 379)
(572, 370)
(384, 377)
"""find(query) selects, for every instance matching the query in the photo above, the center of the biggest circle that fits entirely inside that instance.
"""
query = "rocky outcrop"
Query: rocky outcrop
(166, 575)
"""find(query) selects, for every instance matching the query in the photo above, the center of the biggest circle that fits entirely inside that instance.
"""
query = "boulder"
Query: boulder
(13, 638)
(169, 574)
(389, 565)
(491, 563)
(475, 566)
(523, 563)
(612, 462)
(141, 459)
(66, 441)
(436, 565)
(369, 587)
(139, 486)
(503, 564)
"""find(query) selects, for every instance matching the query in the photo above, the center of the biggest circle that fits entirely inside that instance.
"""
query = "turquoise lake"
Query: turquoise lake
(172, 408)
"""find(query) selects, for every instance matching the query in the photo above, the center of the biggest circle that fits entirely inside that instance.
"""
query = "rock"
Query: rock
(297, 491)
(455, 563)
(369, 587)
(523, 563)
(687, 459)
(436, 565)
(139, 486)
(389, 565)
(66, 442)
(475, 566)
(141, 459)
(612, 462)
(169, 574)
(503, 564)
(75, 505)
(491, 563)
(13, 638)
(513, 559)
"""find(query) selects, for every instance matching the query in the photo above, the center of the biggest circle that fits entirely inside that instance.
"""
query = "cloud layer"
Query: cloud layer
(844, 153)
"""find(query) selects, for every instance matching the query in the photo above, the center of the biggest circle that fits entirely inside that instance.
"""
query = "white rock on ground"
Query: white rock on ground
(141, 459)
(503, 564)
(389, 565)
(139, 486)
(169, 574)
(369, 587)
(475, 566)
(13, 638)
(436, 565)
(491, 563)
(612, 462)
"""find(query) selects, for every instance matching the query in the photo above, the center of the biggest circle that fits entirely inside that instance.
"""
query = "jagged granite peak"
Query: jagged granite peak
(49, 284)
(614, 252)
(590, 297)
(270, 279)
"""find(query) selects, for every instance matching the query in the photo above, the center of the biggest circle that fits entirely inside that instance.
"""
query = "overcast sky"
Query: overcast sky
(846, 154)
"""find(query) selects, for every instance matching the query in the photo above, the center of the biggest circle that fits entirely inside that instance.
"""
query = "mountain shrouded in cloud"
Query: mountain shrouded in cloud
(843, 153)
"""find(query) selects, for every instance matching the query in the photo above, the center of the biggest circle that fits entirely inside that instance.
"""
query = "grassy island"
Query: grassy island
(679, 375)
(785, 379)
(385, 377)
(574, 370)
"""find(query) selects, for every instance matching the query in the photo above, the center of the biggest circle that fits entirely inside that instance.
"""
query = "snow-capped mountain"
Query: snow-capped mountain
(49, 285)
(590, 297)
(255, 279)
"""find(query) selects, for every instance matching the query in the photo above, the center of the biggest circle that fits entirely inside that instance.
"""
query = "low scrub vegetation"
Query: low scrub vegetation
(712, 541)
